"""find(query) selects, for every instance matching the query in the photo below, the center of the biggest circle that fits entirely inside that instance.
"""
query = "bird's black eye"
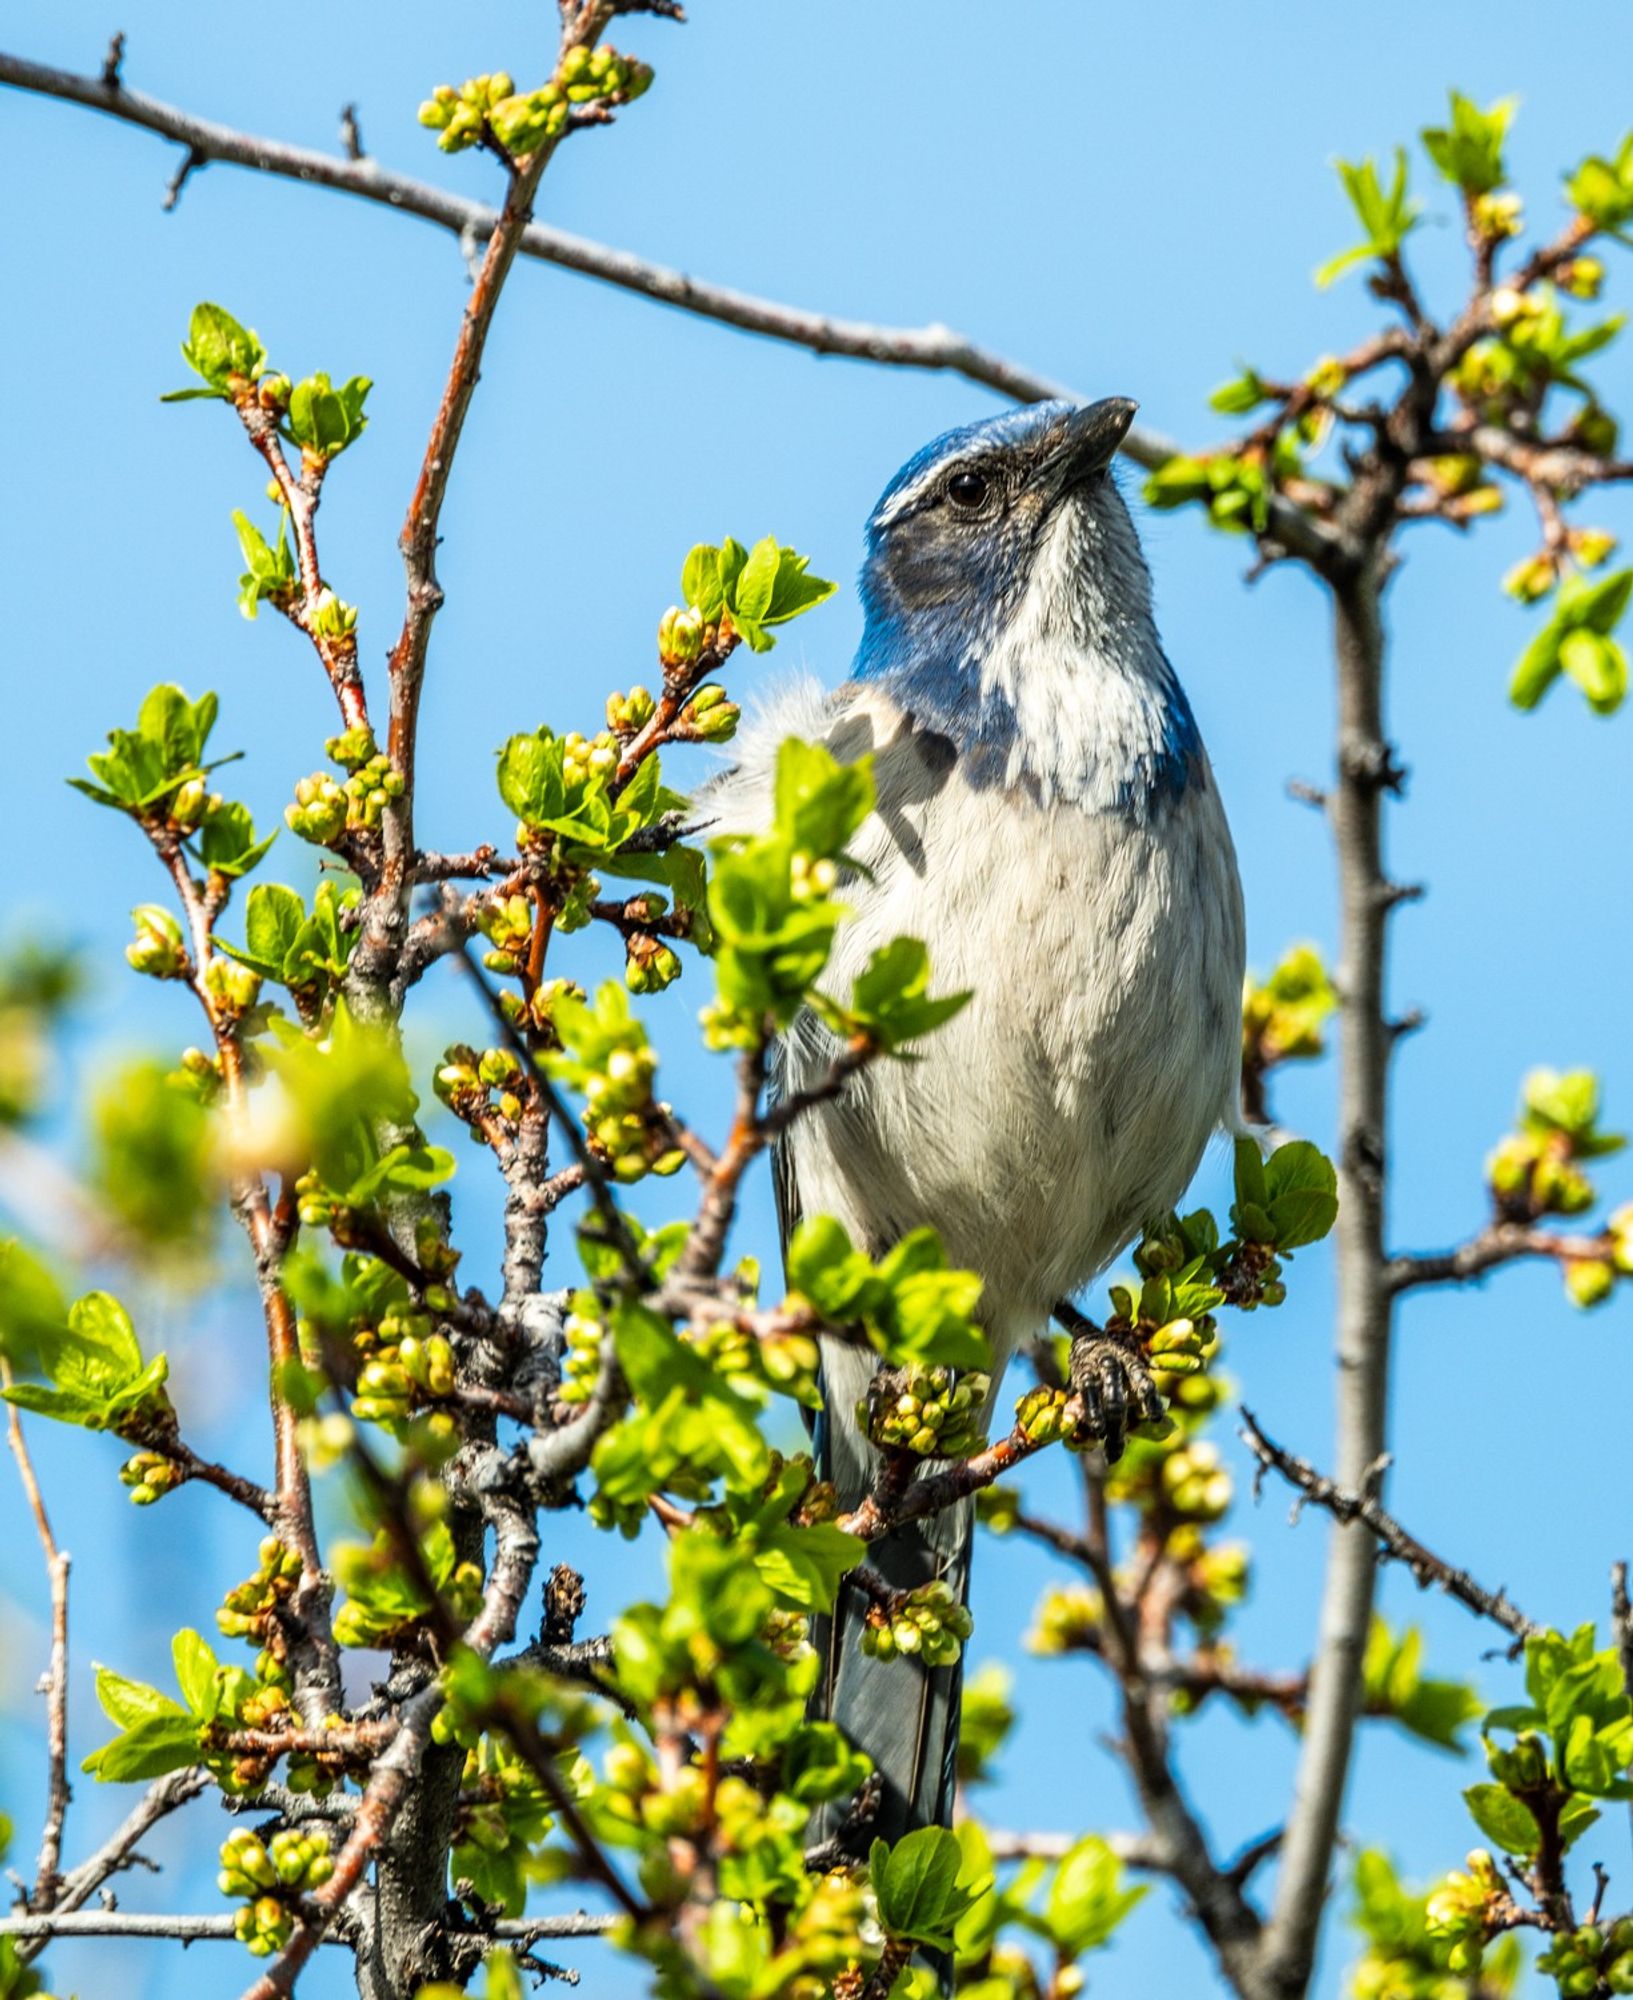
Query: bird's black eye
(967, 490)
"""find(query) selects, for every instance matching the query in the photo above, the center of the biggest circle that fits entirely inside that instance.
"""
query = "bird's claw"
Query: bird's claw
(1108, 1374)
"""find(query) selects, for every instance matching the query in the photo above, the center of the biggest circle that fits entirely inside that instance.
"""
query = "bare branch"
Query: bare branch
(55, 1682)
(1498, 1243)
(934, 347)
(198, 1929)
(1358, 1508)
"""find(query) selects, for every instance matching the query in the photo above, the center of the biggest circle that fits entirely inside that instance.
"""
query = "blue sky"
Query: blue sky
(1128, 199)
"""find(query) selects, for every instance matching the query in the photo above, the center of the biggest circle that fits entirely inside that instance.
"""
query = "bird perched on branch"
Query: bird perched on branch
(1047, 821)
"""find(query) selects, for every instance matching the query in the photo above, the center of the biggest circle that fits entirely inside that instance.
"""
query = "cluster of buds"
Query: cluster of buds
(1589, 1280)
(784, 1360)
(270, 1701)
(1533, 1174)
(249, 1610)
(150, 1475)
(1458, 1910)
(1535, 575)
(616, 1116)
(475, 1085)
(1460, 486)
(1496, 214)
(507, 924)
(682, 636)
(231, 989)
(1592, 1959)
(324, 810)
(929, 1623)
(588, 74)
(157, 949)
(585, 759)
(1216, 1578)
(810, 879)
(1181, 1347)
(331, 618)
(403, 1358)
(1194, 1483)
(1581, 278)
(192, 803)
(270, 1876)
(1067, 1620)
(461, 117)
(932, 1412)
(710, 716)
(649, 964)
(584, 1331)
(538, 1014)
(1041, 1415)
(628, 714)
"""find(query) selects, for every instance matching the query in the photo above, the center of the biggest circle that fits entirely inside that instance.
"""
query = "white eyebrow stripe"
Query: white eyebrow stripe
(932, 475)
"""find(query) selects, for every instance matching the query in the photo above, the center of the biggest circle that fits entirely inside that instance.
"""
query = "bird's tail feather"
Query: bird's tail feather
(901, 1712)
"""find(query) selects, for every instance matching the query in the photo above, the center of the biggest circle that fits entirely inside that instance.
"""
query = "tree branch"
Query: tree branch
(1364, 1298)
(55, 1682)
(1498, 1243)
(935, 348)
(1357, 1508)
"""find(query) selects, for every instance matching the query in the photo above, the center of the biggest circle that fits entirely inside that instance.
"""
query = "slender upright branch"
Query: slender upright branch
(1365, 772)
(47, 1880)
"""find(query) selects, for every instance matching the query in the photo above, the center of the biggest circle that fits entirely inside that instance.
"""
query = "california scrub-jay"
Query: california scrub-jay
(1047, 822)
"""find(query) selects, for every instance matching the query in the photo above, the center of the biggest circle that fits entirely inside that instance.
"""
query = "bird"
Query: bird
(1046, 820)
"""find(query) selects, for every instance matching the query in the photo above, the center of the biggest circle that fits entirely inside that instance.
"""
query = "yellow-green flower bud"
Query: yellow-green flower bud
(157, 948)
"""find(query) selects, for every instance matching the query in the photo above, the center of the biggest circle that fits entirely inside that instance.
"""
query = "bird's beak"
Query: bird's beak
(1087, 441)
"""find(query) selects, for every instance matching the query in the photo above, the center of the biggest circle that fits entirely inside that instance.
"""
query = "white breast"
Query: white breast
(1070, 1102)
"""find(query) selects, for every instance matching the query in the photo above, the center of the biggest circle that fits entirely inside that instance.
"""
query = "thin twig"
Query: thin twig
(1392, 1540)
(47, 1881)
(934, 347)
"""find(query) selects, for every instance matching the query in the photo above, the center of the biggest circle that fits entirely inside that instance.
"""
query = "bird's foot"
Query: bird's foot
(1109, 1375)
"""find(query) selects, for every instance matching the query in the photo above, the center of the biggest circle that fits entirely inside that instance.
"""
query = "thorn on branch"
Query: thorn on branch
(1305, 794)
(1405, 1024)
(351, 133)
(192, 161)
(1391, 894)
(1373, 766)
(113, 61)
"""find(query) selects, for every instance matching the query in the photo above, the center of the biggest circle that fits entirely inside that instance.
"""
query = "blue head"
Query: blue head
(1009, 607)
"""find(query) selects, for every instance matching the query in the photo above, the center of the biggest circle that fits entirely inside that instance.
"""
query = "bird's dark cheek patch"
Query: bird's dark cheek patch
(924, 570)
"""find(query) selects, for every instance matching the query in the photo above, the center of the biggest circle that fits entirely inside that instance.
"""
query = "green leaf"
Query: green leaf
(1504, 1819)
(166, 1743)
(1469, 151)
(1301, 1184)
(804, 1565)
(917, 1888)
(700, 586)
(794, 591)
(1536, 670)
(227, 844)
(751, 596)
(196, 1674)
(530, 777)
(323, 420)
(273, 918)
(656, 1364)
(818, 1764)
(218, 347)
(1087, 1900)
(820, 802)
